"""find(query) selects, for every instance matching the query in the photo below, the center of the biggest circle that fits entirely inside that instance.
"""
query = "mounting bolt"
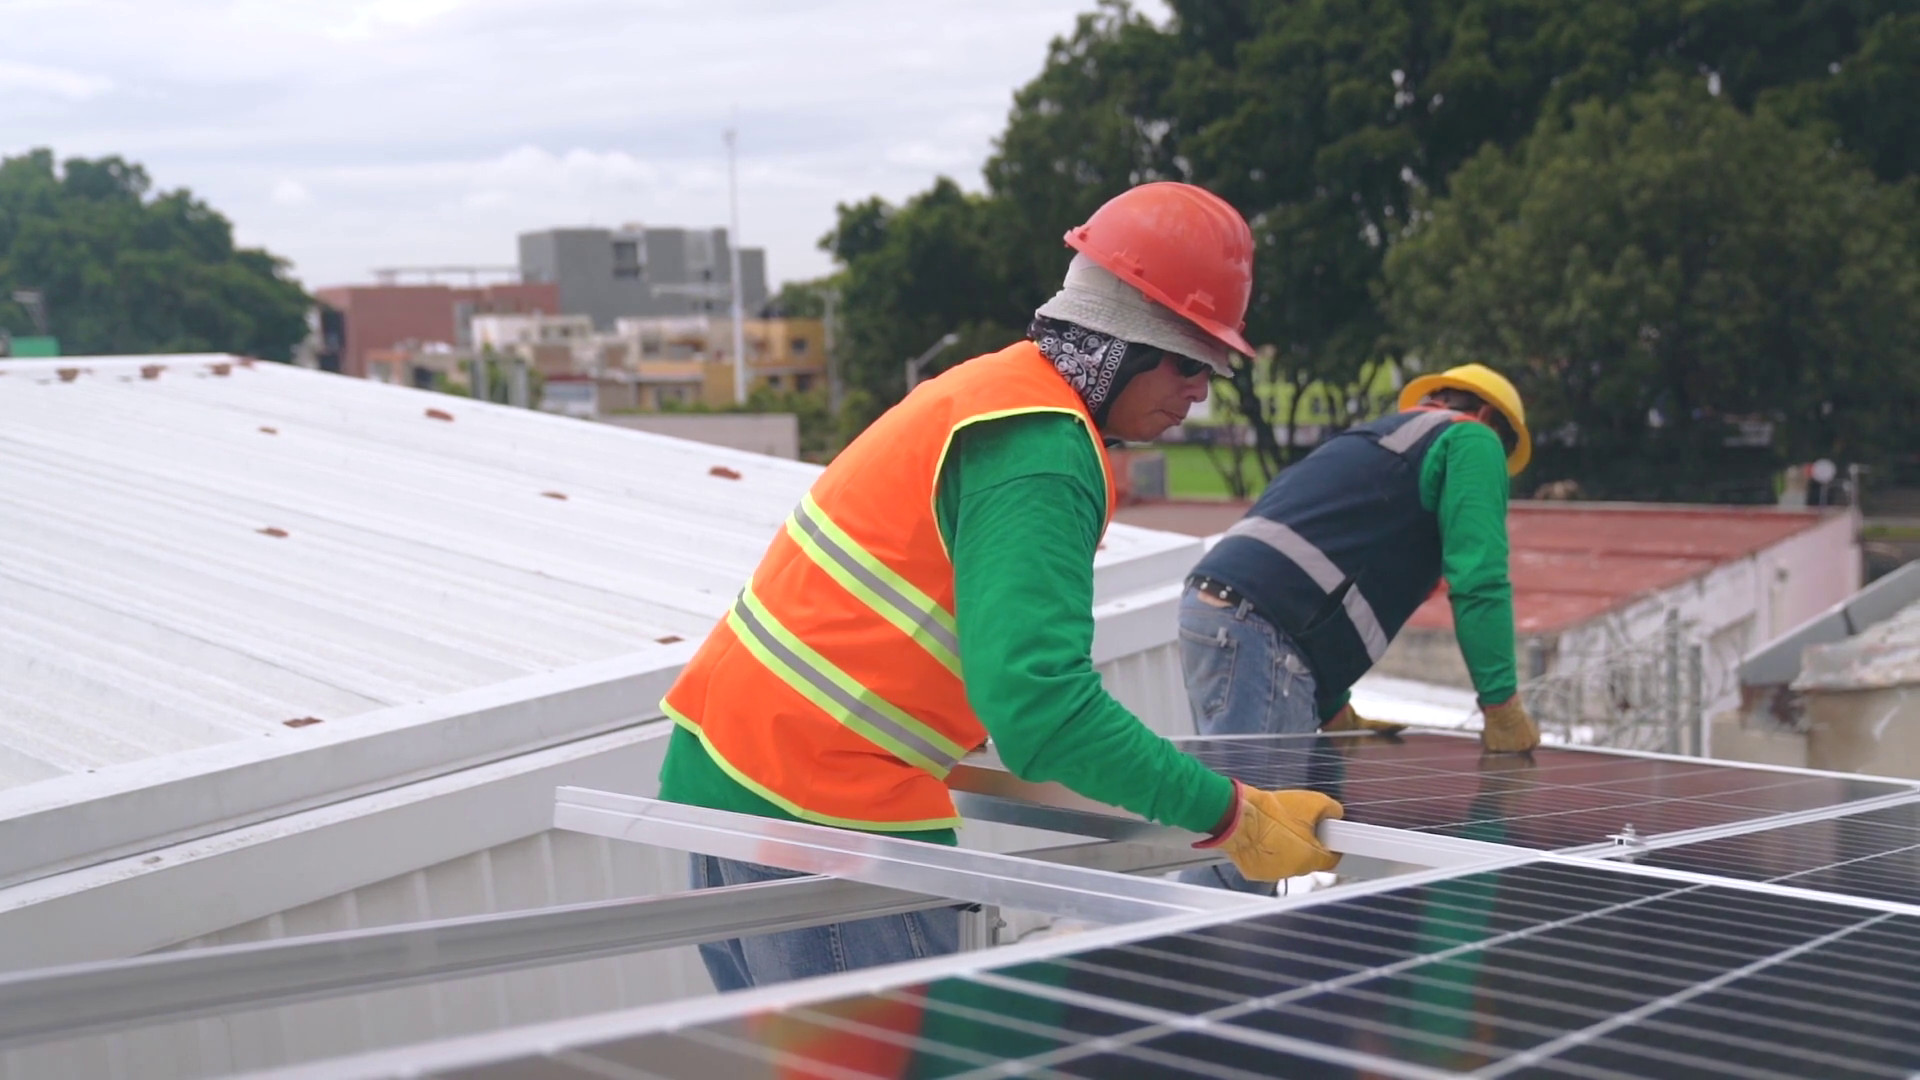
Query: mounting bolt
(1626, 837)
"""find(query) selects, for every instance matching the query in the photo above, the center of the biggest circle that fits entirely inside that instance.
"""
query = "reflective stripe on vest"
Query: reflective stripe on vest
(1301, 552)
(891, 596)
(837, 693)
(1409, 434)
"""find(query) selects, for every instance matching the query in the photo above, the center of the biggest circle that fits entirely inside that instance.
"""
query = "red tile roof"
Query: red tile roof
(1571, 562)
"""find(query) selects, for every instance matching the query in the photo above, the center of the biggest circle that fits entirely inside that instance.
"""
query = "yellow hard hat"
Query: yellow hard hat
(1494, 389)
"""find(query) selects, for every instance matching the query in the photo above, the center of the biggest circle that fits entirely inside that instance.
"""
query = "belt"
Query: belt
(1219, 590)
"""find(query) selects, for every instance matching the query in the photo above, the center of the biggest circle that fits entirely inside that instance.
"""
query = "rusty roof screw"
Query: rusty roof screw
(723, 473)
(68, 374)
(272, 531)
(669, 639)
(152, 371)
(221, 369)
(269, 431)
(561, 495)
(302, 721)
(438, 414)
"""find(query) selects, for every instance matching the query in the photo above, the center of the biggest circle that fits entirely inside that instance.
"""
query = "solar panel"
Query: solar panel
(1553, 799)
(1550, 969)
(1873, 853)
(1561, 955)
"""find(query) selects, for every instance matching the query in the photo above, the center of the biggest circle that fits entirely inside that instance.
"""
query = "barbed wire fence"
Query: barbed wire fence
(1644, 695)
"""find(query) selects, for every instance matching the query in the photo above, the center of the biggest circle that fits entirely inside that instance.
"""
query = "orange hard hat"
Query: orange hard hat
(1181, 245)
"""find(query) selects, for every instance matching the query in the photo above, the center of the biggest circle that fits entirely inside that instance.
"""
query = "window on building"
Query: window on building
(803, 383)
(626, 259)
(773, 382)
(799, 346)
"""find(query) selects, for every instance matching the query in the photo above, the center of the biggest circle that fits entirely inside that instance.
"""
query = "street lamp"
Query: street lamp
(914, 365)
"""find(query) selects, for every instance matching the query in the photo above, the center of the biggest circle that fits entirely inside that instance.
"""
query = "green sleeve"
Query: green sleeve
(1464, 482)
(1021, 504)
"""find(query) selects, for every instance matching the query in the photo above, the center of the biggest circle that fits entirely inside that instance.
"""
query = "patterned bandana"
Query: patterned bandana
(1096, 365)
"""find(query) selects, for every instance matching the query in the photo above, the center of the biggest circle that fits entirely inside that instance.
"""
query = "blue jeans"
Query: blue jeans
(1244, 676)
(818, 950)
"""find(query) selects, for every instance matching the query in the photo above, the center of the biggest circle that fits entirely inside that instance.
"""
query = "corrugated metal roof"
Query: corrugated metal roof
(206, 554)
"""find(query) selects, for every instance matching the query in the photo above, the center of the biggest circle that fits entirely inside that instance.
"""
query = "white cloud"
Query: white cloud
(58, 82)
(433, 131)
(290, 193)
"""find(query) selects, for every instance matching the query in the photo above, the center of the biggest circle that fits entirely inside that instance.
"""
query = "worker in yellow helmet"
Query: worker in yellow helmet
(1305, 592)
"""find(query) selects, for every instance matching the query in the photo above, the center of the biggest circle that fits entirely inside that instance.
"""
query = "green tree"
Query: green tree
(923, 270)
(124, 270)
(1655, 270)
(1326, 122)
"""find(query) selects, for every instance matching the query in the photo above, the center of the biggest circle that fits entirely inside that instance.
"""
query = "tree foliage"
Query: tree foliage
(1327, 123)
(125, 270)
(1661, 267)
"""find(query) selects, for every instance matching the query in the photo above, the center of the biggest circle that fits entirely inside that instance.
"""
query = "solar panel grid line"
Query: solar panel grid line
(1557, 764)
(1682, 984)
(1787, 819)
(1881, 868)
(1555, 799)
(1867, 998)
(1827, 1060)
(1240, 1009)
(1802, 842)
(1780, 1018)
(1691, 1066)
(1775, 889)
(1627, 943)
(1688, 761)
(1630, 1016)
(1657, 808)
(1168, 1022)
(672, 1015)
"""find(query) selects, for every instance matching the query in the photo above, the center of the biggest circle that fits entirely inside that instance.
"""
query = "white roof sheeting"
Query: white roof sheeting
(150, 604)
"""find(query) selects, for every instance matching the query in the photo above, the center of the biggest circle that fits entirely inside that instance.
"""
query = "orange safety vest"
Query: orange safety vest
(833, 687)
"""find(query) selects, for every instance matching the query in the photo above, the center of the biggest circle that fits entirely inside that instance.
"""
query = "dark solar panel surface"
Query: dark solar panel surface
(1541, 970)
(1874, 854)
(1551, 799)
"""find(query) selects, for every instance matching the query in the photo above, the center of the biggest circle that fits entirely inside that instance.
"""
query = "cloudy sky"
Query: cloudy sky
(351, 134)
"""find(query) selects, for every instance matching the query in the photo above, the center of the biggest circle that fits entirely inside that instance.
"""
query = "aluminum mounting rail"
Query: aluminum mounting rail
(989, 793)
(50, 1003)
(977, 876)
(43, 1004)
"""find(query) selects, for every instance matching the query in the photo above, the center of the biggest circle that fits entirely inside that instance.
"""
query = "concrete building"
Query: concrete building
(358, 319)
(639, 271)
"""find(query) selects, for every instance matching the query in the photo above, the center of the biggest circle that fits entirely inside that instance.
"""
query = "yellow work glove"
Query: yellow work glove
(1348, 720)
(1508, 730)
(1269, 834)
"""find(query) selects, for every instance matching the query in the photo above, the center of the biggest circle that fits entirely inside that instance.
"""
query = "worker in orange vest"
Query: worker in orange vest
(957, 534)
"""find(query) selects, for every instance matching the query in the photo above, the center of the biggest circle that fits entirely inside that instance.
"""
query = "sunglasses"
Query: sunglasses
(1187, 365)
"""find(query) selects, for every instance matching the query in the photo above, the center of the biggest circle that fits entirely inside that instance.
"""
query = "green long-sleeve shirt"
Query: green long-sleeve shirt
(1021, 503)
(1464, 482)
